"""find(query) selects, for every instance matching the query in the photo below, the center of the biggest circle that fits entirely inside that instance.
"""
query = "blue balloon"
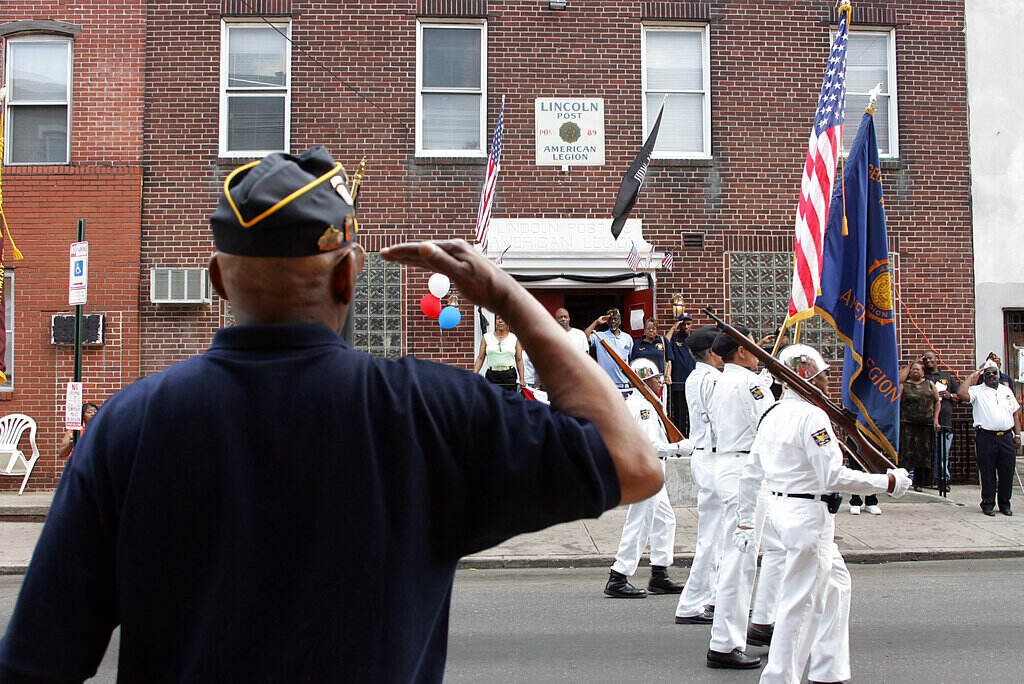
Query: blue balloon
(449, 317)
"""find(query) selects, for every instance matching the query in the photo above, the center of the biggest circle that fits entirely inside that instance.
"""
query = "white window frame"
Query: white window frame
(475, 24)
(9, 146)
(894, 138)
(280, 24)
(705, 31)
(8, 295)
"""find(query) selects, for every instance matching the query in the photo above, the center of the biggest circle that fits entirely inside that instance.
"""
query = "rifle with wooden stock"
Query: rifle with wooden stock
(870, 458)
(674, 435)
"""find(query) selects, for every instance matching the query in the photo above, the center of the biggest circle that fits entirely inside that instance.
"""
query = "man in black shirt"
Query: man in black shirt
(285, 508)
(947, 387)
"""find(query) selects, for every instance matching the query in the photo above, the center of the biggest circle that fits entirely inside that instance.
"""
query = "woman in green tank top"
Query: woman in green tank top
(503, 354)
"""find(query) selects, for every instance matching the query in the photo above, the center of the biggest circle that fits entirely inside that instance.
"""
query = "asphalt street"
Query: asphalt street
(930, 622)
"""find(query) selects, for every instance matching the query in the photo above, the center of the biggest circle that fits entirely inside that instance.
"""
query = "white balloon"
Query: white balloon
(439, 284)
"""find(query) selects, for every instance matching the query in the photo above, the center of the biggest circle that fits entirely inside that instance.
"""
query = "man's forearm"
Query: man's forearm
(578, 387)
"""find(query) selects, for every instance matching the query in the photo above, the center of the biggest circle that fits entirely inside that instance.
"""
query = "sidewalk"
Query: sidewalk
(916, 527)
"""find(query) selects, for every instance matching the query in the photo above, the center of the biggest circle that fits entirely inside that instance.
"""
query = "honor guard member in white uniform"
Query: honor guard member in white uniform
(741, 397)
(651, 519)
(796, 454)
(696, 604)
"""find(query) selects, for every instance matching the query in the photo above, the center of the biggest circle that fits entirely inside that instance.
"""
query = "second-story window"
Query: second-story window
(870, 61)
(676, 70)
(255, 105)
(451, 82)
(38, 100)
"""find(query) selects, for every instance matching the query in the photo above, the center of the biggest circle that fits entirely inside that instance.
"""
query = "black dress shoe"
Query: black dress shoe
(733, 660)
(988, 512)
(1006, 511)
(757, 636)
(618, 587)
(660, 582)
(710, 608)
(704, 617)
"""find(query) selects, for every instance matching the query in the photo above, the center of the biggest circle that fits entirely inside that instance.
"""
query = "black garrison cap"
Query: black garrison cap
(702, 338)
(725, 345)
(285, 206)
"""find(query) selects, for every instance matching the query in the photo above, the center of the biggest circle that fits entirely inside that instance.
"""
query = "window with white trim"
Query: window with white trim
(8, 295)
(38, 115)
(451, 89)
(870, 60)
(255, 80)
(676, 70)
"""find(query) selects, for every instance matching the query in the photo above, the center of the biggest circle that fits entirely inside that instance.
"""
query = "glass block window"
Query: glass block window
(377, 308)
(759, 288)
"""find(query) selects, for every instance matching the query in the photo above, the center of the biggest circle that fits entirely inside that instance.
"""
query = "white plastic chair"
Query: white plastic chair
(12, 427)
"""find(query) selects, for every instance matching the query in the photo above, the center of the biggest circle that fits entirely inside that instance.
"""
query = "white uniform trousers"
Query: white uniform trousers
(700, 585)
(814, 611)
(649, 520)
(773, 563)
(737, 570)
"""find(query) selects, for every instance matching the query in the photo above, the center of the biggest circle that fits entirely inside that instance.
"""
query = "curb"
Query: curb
(685, 560)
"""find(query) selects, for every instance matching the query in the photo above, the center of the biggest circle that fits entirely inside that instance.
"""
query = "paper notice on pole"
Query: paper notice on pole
(73, 406)
(78, 276)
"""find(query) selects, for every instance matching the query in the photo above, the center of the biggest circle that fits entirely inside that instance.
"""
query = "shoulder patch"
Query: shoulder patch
(821, 437)
(757, 392)
(645, 414)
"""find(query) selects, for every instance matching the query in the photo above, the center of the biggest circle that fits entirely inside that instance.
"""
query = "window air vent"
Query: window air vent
(693, 240)
(179, 286)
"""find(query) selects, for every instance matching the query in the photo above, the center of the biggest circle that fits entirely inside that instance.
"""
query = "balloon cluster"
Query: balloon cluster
(430, 304)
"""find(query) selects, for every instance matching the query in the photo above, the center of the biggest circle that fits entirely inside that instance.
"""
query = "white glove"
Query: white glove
(902, 481)
(744, 539)
(683, 447)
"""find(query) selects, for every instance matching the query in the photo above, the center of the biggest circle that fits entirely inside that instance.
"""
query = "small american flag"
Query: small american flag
(650, 257)
(633, 258)
(483, 214)
(501, 257)
(823, 150)
(668, 261)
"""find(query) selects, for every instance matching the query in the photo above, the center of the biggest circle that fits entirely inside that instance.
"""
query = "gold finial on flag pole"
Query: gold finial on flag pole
(357, 178)
(845, 6)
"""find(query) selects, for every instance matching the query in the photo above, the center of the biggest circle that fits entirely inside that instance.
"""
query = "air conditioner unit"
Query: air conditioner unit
(179, 286)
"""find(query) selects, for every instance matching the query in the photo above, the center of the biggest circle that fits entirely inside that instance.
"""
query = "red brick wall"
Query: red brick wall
(767, 59)
(102, 184)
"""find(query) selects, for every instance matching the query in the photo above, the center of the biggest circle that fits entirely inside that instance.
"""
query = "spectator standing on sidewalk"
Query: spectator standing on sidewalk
(947, 387)
(620, 342)
(503, 354)
(919, 420)
(681, 363)
(996, 413)
(89, 410)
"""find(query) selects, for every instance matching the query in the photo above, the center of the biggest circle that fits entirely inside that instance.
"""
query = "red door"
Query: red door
(641, 302)
(552, 300)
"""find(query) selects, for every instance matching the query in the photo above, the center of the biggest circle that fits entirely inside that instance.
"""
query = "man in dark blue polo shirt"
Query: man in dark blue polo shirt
(284, 508)
(680, 364)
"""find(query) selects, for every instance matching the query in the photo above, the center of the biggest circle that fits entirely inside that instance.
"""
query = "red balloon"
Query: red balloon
(430, 305)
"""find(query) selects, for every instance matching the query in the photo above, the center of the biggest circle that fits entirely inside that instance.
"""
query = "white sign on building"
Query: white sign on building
(78, 276)
(569, 131)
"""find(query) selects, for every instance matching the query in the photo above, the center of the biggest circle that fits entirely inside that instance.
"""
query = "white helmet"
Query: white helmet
(804, 359)
(644, 368)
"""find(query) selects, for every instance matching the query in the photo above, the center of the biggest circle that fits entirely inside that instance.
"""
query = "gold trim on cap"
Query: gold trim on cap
(304, 189)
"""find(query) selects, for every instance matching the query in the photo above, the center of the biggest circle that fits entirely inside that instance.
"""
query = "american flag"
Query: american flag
(823, 152)
(633, 258)
(483, 214)
(668, 261)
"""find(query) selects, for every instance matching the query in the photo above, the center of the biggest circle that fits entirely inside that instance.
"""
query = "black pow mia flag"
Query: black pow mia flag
(629, 190)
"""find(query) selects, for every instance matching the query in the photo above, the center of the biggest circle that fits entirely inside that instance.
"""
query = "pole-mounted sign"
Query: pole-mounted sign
(78, 283)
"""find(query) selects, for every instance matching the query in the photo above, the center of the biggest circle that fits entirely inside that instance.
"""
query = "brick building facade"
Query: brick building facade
(415, 86)
(77, 156)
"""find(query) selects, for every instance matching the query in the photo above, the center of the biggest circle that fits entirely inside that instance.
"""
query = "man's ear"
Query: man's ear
(343, 277)
(215, 277)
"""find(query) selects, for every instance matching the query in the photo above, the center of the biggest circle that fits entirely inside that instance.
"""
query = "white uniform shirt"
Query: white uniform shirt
(579, 339)
(796, 452)
(700, 386)
(993, 407)
(650, 424)
(737, 404)
(529, 371)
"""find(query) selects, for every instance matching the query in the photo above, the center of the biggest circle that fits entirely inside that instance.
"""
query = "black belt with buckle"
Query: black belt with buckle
(799, 496)
(832, 501)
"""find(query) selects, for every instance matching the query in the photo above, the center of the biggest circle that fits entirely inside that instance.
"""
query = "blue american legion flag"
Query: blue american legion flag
(483, 214)
(633, 257)
(856, 294)
(823, 150)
